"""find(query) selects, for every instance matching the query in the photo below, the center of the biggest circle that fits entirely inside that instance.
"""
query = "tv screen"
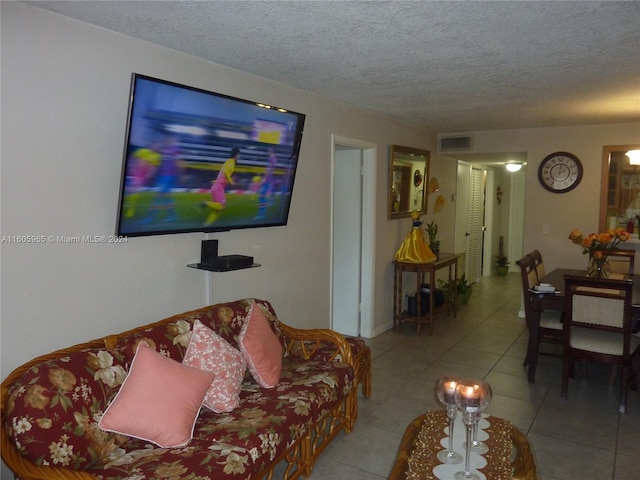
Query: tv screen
(199, 161)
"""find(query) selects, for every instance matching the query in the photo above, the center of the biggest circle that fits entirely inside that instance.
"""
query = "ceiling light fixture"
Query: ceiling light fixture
(634, 157)
(513, 167)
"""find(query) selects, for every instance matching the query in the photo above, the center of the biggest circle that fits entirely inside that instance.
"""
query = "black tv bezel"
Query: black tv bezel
(203, 229)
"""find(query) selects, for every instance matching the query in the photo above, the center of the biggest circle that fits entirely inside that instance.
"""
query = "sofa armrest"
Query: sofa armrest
(29, 471)
(17, 463)
(315, 344)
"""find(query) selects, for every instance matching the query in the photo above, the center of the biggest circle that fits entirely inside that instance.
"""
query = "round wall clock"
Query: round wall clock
(560, 172)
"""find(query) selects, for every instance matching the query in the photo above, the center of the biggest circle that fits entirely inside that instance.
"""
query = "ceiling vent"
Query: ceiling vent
(459, 143)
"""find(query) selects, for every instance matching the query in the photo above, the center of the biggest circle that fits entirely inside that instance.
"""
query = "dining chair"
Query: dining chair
(622, 261)
(539, 264)
(544, 325)
(597, 327)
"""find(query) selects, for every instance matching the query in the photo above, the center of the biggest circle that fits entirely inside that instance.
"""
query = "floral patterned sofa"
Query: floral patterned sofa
(52, 406)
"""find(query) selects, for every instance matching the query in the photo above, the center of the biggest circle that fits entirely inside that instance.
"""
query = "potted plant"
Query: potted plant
(502, 264)
(464, 290)
(460, 288)
(432, 232)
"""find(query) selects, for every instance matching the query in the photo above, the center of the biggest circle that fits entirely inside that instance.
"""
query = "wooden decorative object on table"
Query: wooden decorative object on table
(509, 458)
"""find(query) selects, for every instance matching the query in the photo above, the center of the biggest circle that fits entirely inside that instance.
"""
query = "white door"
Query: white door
(353, 237)
(473, 262)
(469, 219)
(347, 240)
(462, 209)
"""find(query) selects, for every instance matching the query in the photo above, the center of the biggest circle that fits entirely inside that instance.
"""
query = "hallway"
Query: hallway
(583, 437)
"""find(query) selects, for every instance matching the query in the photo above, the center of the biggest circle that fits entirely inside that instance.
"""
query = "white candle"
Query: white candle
(470, 396)
(450, 391)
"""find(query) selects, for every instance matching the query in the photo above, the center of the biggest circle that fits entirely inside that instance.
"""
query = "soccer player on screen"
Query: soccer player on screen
(145, 161)
(218, 200)
(266, 187)
(167, 178)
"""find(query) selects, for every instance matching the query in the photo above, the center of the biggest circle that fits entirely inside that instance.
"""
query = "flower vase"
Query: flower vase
(598, 267)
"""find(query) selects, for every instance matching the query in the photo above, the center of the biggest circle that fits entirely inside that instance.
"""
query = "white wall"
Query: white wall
(579, 208)
(65, 87)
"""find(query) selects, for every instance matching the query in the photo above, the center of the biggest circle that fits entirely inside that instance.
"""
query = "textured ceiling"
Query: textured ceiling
(447, 66)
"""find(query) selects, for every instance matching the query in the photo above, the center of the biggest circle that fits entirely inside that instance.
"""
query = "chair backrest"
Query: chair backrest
(599, 304)
(539, 265)
(529, 280)
(622, 261)
(528, 271)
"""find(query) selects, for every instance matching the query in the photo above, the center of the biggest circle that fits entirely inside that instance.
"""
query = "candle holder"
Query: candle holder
(446, 393)
(479, 447)
(472, 397)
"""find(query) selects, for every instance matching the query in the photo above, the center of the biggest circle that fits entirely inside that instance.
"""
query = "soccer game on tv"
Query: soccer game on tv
(198, 161)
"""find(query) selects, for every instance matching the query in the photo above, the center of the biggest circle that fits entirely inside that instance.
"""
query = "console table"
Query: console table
(421, 270)
(509, 456)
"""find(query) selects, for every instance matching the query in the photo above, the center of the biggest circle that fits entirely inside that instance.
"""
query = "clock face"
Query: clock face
(560, 172)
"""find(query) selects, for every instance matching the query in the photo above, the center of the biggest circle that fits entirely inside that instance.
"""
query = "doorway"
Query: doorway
(352, 236)
(486, 215)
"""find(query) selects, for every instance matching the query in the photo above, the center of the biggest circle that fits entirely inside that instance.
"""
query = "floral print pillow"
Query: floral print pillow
(208, 351)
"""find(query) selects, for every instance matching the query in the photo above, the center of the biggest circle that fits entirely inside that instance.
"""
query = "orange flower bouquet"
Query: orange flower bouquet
(599, 246)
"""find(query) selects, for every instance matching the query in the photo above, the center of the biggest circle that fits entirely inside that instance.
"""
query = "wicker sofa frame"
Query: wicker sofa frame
(302, 344)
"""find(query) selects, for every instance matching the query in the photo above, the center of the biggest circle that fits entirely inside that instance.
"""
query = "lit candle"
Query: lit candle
(450, 392)
(470, 397)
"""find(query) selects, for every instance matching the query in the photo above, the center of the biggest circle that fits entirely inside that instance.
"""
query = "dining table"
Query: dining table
(555, 301)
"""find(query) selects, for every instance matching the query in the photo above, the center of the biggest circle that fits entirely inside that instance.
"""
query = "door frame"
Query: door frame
(463, 173)
(488, 260)
(368, 228)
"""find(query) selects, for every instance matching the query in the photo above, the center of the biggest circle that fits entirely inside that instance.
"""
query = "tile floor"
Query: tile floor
(583, 437)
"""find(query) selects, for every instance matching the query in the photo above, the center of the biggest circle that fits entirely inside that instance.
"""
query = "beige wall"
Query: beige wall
(579, 208)
(65, 88)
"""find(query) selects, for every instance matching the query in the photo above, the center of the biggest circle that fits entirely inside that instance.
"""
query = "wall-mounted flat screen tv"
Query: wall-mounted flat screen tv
(199, 161)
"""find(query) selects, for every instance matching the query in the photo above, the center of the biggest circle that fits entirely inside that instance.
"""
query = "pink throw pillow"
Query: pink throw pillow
(209, 351)
(261, 348)
(159, 401)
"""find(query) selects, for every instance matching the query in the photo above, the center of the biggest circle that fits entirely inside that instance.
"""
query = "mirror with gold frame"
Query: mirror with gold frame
(620, 191)
(408, 180)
